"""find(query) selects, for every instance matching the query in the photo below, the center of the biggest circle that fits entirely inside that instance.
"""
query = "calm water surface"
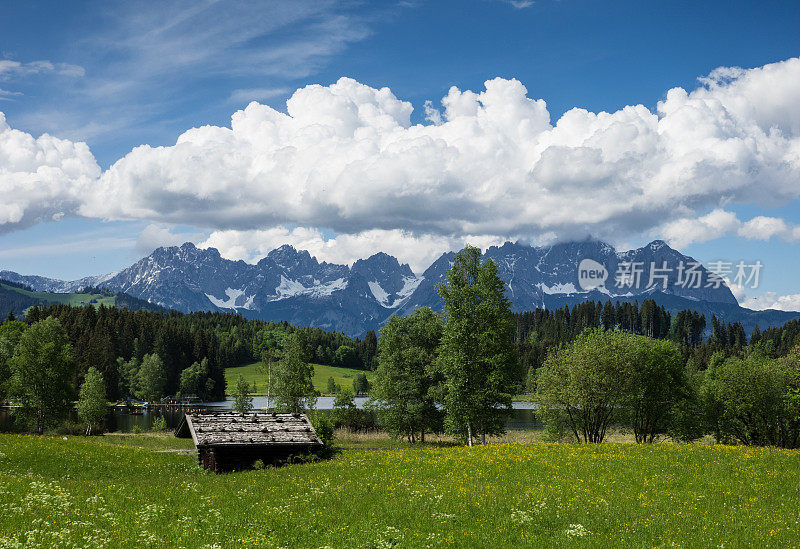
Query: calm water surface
(125, 419)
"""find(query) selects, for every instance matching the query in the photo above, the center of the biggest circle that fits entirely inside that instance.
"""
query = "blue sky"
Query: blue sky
(118, 76)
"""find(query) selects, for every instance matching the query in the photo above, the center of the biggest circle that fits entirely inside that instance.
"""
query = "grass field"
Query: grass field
(74, 299)
(97, 492)
(251, 373)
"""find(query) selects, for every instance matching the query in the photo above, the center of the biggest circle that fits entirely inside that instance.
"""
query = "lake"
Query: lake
(125, 419)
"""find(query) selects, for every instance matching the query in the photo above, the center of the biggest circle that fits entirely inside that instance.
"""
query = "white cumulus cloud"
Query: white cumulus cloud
(418, 251)
(764, 228)
(155, 235)
(771, 300)
(346, 157)
(682, 232)
(485, 166)
(41, 179)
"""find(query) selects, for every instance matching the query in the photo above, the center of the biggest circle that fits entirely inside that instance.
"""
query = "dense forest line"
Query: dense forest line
(112, 339)
(540, 331)
(109, 338)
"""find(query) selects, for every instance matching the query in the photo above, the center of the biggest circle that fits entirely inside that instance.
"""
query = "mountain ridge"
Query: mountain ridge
(292, 285)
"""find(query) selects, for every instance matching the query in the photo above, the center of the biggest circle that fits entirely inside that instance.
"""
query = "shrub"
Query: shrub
(753, 399)
(159, 424)
(323, 425)
(361, 384)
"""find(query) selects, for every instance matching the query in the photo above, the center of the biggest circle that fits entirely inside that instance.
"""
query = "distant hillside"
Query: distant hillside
(17, 298)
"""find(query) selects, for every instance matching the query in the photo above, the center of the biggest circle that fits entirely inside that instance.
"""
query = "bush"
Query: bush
(323, 425)
(333, 387)
(159, 424)
(753, 399)
(361, 384)
(71, 428)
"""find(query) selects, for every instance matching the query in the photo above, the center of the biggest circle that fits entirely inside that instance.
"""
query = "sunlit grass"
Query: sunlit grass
(87, 492)
(251, 374)
(154, 441)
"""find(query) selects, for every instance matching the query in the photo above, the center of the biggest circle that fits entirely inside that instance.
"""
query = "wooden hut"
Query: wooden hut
(227, 441)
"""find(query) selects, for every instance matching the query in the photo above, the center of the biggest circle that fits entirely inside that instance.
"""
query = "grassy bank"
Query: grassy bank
(251, 373)
(89, 492)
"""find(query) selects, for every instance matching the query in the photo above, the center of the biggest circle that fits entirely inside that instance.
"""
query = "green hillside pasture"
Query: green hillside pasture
(87, 493)
(251, 373)
(74, 299)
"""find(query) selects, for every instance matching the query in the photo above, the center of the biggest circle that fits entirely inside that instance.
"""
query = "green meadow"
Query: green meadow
(253, 375)
(112, 492)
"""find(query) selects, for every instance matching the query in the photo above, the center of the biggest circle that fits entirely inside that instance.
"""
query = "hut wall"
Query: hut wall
(237, 458)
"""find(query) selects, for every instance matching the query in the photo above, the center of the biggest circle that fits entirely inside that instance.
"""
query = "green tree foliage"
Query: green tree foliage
(242, 401)
(345, 412)
(127, 374)
(293, 376)
(608, 376)
(345, 356)
(361, 384)
(477, 355)
(10, 334)
(42, 369)
(151, 379)
(324, 427)
(687, 421)
(584, 385)
(753, 399)
(687, 328)
(268, 343)
(403, 393)
(196, 381)
(658, 386)
(92, 404)
(333, 387)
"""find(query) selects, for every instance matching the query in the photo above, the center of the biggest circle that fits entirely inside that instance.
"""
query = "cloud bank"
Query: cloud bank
(41, 179)
(485, 166)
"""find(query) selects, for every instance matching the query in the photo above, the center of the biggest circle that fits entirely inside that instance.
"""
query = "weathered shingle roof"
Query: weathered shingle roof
(232, 429)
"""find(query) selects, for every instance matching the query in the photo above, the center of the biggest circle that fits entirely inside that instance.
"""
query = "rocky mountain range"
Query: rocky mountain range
(291, 285)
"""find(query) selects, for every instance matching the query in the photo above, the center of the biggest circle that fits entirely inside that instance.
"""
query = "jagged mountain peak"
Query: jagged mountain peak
(288, 257)
(290, 284)
(382, 262)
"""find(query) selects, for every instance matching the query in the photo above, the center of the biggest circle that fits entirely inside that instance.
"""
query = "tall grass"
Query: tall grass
(87, 492)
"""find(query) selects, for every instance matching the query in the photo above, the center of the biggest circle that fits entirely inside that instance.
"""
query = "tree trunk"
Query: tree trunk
(469, 433)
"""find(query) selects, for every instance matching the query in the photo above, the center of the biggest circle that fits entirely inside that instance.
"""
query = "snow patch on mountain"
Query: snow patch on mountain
(230, 303)
(291, 288)
(568, 288)
(410, 284)
(380, 294)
